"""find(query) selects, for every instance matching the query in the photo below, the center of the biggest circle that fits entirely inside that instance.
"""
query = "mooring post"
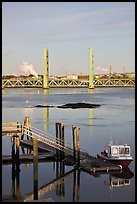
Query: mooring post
(74, 143)
(13, 148)
(78, 146)
(35, 167)
(63, 139)
(17, 151)
(22, 132)
(26, 126)
(13, 179)
(57, 151)
(60, 136)
(15, 165)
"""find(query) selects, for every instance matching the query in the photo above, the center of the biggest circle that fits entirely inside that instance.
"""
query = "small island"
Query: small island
(79, 105)
(71, 105)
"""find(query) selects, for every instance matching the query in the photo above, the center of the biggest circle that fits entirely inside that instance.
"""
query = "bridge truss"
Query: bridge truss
(65, 83)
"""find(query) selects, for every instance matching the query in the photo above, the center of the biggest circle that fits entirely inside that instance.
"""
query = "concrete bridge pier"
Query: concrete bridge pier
(91, 68)
(46, 69)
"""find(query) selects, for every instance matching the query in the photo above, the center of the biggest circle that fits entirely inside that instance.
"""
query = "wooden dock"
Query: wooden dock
(93, 164)
(42, 147)
(45, 143)
(28, 158)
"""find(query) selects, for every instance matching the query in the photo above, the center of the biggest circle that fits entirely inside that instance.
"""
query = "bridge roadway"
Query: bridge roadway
(33, 82)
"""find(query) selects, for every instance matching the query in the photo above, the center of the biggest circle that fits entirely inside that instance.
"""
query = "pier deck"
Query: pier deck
(52, 147)
(28, 158)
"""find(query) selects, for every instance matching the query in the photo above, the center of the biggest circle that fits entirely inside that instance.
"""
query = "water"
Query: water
(114, 119)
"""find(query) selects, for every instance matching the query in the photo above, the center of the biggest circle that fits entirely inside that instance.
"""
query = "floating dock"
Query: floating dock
(47, 146)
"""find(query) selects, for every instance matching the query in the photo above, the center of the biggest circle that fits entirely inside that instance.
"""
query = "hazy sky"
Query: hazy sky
(68, 30)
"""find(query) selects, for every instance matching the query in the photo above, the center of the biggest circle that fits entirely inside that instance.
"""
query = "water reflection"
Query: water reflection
(46, 118)
(117, 178)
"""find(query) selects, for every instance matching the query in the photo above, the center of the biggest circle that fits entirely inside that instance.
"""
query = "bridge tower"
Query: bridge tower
(91, 70)
(46, 69)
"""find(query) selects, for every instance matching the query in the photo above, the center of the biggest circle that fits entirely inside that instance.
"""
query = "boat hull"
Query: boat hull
(123, 162)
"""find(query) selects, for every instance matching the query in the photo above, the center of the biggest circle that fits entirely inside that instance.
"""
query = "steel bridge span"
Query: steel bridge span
(46, 81)
(65, 83)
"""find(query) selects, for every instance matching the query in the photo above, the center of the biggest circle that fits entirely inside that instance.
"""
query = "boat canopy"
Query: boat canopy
(121, 150)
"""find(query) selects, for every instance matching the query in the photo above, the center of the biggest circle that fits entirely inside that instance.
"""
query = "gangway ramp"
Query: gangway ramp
(87, 162)
(82, 158)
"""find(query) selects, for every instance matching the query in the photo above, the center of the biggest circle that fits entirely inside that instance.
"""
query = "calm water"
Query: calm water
(114, 119)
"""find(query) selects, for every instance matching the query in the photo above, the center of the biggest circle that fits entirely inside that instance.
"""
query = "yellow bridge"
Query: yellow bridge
(33, 82)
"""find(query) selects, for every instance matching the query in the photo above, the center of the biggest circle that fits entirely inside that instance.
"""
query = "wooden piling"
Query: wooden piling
(13, 148)
(76, 145)
(17, 151)
(15, 166)
(35, 167)
(57, 151)
(26, 123)
(62, 138)
(60, 135)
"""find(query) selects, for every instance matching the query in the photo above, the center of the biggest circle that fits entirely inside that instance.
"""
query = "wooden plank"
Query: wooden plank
(92, 164)
(11, 133)
(9, 123)
(29, 158)
(41, 146)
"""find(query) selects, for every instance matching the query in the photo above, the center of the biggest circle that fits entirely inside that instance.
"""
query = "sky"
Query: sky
(68, 30)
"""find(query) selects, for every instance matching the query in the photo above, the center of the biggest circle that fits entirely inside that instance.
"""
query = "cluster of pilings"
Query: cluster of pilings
(59, 164)
(76, 142)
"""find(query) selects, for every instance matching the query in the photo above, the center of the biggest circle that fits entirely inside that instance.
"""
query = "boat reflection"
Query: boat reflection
(118, 179)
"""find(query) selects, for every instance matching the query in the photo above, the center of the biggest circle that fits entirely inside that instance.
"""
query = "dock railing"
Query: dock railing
(9, 128)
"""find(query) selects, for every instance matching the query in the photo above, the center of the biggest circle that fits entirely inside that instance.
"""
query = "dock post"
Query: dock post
(60, 136)
(78, 146)
(57, 151)
(15, 166)
(18, 193)
(35, 167)
(22, 132)
(13, 148)
(62, 131)
(74, 143)
(27, 123)
(17, 151)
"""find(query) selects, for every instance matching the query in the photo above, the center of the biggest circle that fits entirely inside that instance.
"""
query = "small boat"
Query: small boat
(117, 154)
